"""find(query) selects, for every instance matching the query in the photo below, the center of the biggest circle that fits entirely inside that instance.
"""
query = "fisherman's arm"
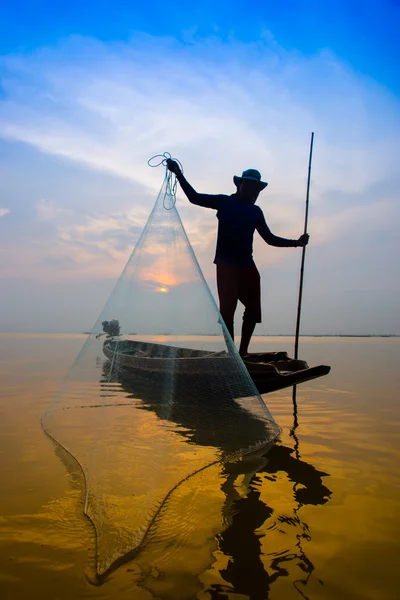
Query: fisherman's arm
(274, 240)
(206, 200)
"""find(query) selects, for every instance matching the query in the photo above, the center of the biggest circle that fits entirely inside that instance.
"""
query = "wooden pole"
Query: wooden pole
(303, 256)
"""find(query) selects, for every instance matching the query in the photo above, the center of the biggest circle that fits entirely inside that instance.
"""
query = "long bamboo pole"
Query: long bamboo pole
(303, 255)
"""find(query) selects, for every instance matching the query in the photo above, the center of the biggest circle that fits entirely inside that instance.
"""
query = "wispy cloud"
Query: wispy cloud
(48, 211)
(83, 244)
(111, 107)
(4, 211)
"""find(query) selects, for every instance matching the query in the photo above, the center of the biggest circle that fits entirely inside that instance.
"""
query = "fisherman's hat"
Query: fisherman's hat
(251, 175)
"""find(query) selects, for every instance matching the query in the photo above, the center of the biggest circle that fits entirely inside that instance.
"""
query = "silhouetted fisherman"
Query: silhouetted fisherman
(237, 275)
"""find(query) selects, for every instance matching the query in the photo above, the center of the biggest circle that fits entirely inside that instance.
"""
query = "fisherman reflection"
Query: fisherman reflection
(246, 572)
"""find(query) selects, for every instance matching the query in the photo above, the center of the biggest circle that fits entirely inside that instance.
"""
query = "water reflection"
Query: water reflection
(205, 414)
(249, 519)
(247, 570)
(343, 430)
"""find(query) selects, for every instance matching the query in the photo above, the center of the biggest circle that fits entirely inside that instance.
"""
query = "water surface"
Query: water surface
(317, 519)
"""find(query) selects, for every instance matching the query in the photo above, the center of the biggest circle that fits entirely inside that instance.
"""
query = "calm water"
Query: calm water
(318, 519)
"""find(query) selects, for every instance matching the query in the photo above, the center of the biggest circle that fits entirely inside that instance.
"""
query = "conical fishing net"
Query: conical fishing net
(157, 393)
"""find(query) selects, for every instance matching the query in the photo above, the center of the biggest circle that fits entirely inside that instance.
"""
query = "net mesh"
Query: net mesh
(158, 392)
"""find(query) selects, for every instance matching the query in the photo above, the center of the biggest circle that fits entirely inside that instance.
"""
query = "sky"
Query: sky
(89, 93)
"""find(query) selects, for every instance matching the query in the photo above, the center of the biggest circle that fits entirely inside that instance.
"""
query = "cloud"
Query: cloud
(111, 106)
(87, 245)
(4, 211)
(47, 211)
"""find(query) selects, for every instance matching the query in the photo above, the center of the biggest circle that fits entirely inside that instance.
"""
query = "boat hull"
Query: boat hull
(270, 371)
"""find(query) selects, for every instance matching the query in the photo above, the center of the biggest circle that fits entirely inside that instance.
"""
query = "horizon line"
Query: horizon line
(352, 335)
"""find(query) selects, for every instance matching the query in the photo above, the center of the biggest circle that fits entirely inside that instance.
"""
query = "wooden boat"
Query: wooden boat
(269, 370)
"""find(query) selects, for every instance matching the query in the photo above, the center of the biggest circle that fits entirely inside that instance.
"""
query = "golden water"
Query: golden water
(318, 519)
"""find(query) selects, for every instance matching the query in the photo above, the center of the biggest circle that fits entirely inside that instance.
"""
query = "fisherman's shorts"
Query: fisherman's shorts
(239, 283)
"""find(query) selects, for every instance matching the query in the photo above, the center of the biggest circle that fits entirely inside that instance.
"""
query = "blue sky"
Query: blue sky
(362, 33)
(88, 94)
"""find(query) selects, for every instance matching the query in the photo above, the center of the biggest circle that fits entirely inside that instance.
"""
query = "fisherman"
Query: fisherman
(237, 275)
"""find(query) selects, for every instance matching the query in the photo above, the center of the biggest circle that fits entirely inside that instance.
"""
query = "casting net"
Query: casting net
(158, 392)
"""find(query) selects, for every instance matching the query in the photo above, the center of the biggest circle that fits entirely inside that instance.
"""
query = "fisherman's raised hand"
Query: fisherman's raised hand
(173, 166)
(303, 240)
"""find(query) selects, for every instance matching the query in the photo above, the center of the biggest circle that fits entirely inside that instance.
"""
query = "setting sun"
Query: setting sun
(162, 289)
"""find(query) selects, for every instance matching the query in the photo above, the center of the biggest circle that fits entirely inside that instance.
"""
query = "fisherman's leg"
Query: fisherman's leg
(227, 294)
(247, 331)
(228, 320)
(250, 296)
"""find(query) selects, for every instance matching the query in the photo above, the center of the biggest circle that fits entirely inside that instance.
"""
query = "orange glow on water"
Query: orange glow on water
(332, 481)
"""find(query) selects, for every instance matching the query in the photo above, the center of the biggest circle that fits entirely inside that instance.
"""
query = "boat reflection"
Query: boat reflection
(201, 407)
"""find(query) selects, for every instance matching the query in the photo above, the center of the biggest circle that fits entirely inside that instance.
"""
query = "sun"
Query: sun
(162, 289)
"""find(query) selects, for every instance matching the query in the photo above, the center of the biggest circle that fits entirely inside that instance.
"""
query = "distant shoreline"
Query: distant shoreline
(260, 335)
(339, 335)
